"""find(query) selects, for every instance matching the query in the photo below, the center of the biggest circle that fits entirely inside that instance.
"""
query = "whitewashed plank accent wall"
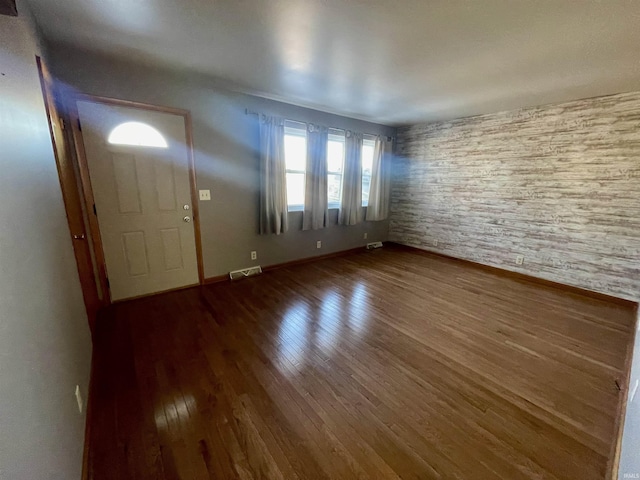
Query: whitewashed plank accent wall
(558, 184)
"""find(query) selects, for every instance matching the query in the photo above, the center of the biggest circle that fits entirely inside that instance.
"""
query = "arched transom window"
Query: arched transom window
(137, 134)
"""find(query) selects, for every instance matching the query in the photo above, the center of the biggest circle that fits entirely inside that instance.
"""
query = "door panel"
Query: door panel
(135, 252)
(126, 181)
(171, 246)
(140, 194)
(165, 187)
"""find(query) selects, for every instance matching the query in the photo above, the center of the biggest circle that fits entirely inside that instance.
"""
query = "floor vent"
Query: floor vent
(245, 272)
(374, 245)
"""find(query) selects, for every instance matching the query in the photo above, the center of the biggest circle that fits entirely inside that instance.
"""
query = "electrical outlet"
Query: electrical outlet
(366, 235)
(318, 244)
(435, 243)
(254, 255)
(205, 195)
(79, 398)
(519, 260)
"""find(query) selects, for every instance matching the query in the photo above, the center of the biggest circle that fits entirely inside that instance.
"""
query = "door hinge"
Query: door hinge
(95, 212)
(61, 120)
(108, 284)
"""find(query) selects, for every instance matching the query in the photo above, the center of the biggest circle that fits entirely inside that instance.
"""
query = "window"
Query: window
(368, 146)
(137, 134)
(335, 167)
(295, 157)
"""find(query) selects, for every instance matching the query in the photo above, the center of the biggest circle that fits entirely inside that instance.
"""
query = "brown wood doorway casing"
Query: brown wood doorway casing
(88, 189)
(69, 185)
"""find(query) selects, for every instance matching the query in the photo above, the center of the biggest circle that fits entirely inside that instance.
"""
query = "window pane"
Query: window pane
(334, 187)
(335, 156)
(367, 166)
(295, 189)
(367, 158)
(138, 134)
(295, 152)
(366, 187)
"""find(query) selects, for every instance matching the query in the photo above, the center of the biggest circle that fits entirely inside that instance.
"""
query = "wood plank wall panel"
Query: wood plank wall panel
(558, 184)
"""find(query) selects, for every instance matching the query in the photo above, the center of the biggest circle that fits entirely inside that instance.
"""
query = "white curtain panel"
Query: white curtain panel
(316, 210)
(351, 206)
(273, 176)
(380, 190)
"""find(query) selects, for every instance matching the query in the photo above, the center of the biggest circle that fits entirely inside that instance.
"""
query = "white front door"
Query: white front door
(139, 168)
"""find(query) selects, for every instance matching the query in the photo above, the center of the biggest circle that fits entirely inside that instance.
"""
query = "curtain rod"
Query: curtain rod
(251, 112)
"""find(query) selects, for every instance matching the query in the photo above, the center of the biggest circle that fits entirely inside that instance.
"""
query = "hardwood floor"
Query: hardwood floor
(381, 364)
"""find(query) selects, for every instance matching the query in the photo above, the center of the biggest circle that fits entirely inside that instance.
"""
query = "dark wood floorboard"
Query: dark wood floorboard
(381, 364)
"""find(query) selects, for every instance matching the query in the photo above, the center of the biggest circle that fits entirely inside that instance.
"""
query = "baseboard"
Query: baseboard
(315, 258)
(490, 268)
(88, 420)
(218, 279)
(161, 292)
(299, 261)
(616, 448)
(524, 277)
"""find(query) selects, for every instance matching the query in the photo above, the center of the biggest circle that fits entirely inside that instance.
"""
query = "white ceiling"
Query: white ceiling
(389, 61)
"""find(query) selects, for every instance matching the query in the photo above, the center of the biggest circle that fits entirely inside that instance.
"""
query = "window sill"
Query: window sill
(300, 208)
(333, 206)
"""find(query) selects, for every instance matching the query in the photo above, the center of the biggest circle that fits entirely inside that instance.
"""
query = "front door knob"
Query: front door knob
(187, 219)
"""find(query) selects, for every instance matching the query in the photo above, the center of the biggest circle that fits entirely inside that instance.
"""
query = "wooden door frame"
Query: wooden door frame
(70, 188)
(89, 200)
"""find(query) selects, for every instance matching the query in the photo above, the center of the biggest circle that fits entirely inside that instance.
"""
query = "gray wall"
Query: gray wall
(45, 348)
(558, 184)
(226, 157)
